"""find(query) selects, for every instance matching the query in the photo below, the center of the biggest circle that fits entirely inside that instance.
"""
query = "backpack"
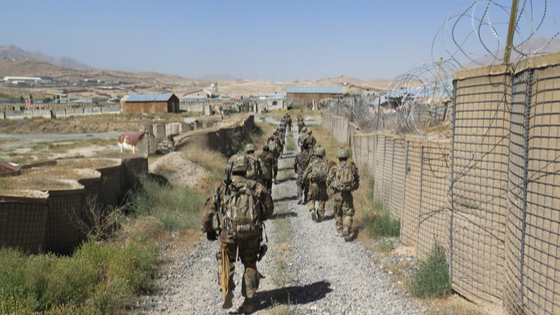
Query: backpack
(345, 177)
(320, 172)
(240, 214)
(273, 148)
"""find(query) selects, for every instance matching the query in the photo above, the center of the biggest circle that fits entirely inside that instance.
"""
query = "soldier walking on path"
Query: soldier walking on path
(316, 176)
(300, 164)
(289, 122)
(256, 166)
(271, 167)
(300, 124)
(235, 214)
(280, 141)
(343, 179)
(310, 140)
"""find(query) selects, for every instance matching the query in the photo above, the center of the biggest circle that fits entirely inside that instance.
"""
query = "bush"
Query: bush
(431, 277)
(177, 207)
(378, 222)
(99, 278)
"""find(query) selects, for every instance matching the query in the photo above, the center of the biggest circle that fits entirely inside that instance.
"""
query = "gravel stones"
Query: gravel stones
(324, 274)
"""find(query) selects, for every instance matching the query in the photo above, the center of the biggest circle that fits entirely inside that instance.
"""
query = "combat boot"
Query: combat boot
(228, 302)
(313, 215)
(248, 306)
(319, 218)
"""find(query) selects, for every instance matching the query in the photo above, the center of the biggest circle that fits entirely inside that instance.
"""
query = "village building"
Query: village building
(150, 103)
(306, 95)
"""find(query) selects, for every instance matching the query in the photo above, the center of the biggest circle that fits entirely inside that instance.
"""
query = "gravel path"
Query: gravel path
(308, 270)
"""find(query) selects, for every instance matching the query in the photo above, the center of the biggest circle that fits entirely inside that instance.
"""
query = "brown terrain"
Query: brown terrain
(152, 82)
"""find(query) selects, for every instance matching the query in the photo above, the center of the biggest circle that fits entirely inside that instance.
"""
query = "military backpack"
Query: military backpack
(320, 172)
(345, 177)
(240, 214)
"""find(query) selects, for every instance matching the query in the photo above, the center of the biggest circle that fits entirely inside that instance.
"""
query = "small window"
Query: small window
(274, 103)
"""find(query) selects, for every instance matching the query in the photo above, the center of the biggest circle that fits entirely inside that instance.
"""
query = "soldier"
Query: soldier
(271, 167)
(300, 124)
(279, 141)
(300, 164)
(235, 214)
(310, 140)
(283, 127)
(343, 179)
(289, 122)
(302, 135)
(256, 166)
(316, 176)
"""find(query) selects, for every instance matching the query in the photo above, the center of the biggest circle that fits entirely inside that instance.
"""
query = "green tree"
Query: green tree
(30, 96)
(21, 99)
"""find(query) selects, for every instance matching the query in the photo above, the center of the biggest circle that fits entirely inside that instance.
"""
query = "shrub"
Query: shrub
(377, 222)
(431, 277)
(177, 207)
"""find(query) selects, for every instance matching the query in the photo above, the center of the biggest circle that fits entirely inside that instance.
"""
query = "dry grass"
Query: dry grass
(95, 163)
(213, 161)
(453, 305)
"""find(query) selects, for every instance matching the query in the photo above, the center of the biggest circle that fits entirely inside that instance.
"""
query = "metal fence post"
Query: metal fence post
(420, 202)
(452, 180)
(528, 92)
(404, 183)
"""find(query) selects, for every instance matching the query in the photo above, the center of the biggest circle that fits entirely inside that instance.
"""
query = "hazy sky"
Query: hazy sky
(273, 40)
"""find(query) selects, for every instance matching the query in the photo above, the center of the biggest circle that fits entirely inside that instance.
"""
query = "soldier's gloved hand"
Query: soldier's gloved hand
(212, 236)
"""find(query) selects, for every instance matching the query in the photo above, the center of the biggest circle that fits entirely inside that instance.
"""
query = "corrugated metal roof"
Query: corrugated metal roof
(315, 89)
(149, 97)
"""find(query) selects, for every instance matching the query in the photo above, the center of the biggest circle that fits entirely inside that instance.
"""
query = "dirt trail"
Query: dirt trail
(308, 270)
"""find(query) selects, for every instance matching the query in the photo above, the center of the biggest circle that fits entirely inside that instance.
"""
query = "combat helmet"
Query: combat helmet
(265, 147)
(238, 163)
(309, 131)
(343, 153)
(304, 129)
(319, 151)
(250, 147)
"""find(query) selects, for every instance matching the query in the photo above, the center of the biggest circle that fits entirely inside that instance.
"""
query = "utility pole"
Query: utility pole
(511, 30)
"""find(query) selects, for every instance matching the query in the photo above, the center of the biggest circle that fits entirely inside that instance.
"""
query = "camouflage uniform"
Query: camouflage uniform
(300, 124)
(300, 164)
(289, 122)
(256, 167)
(279, 141)
(343, 200)
(310, 140)
(271, 167)
(247, 248)
(317, 190)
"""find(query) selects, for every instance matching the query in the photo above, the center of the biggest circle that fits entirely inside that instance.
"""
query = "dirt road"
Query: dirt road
(308, 270)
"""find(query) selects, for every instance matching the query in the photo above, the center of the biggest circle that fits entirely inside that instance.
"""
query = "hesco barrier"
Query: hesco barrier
(216, 138)
(478, 193)
(23, 220)
(111, 190)
(491, 195)
(62, 233)
(132, 167)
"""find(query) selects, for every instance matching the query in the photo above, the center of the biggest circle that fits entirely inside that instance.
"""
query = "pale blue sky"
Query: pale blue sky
(273, 40)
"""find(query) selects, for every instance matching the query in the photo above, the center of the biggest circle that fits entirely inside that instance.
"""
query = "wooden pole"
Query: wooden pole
(511, 30)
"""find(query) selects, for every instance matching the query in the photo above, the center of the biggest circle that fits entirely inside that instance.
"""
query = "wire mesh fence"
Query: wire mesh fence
(491, 195)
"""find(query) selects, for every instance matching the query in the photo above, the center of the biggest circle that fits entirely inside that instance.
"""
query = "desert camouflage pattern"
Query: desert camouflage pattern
(300, 164)
(343, 200)
(248, 247)
(271, 168)
(317, 190)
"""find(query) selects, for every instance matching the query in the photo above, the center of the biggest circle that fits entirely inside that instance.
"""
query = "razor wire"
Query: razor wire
(474, 32)
(414, 103)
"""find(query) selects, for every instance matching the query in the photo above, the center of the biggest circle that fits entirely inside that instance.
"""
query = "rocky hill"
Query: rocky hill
(16, 53)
